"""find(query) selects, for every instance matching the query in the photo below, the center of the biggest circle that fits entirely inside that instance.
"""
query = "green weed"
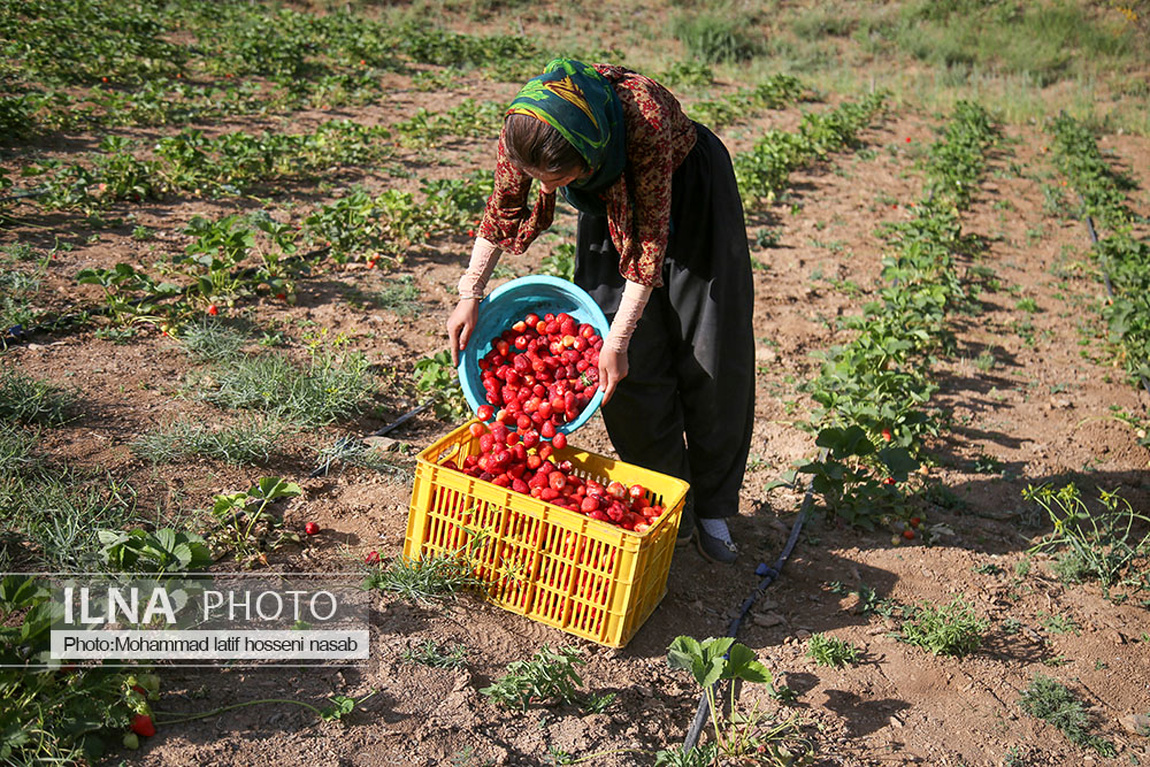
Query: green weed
(353, 451)
(548, 678)
(400, 297)
(831, 651)
(951, 629)
(249, 441)
(1101, 542)
(424, 580)
(716, 39)
(429, 653)
(1048, 699)
(28, 400)
(212, 341)
(323, 390)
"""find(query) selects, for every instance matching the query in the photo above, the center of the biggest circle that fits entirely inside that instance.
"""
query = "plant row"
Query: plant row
(763, 170)
(179, 61)
(1123, 258)
(776, 92)
(872, 392)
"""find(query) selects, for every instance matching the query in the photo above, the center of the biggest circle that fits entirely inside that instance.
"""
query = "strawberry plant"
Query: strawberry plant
(162, 551)
(246, 526)
(739, 735)
(130, 296)
(436, 376)
(53, 714)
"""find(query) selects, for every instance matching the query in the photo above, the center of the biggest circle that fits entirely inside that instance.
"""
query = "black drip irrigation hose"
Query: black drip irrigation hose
(24, 194)
(768, 573)
(1105, 272)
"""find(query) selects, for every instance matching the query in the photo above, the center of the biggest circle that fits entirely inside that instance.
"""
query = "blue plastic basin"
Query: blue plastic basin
(510, 303)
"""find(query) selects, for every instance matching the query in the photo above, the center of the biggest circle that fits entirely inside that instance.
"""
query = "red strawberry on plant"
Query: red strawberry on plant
(142, 725)
(886, 435)
(213, 310)
(372, 558)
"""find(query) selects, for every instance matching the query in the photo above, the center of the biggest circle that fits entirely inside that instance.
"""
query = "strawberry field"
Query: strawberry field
(230, 235)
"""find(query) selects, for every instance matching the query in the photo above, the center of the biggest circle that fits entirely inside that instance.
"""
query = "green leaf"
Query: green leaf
(165, 539)
(18, 591)
(742, 663)
(271, 488)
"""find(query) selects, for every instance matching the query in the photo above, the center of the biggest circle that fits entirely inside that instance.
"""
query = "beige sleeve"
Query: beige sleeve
(484, 257)
(635, 297)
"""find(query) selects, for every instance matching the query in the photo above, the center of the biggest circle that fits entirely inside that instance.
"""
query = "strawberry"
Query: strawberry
(311, 528)
(142, 725)
(372, 558)
(213, 310)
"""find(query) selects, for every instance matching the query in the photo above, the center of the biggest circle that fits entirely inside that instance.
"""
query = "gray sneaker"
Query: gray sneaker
(716, 549)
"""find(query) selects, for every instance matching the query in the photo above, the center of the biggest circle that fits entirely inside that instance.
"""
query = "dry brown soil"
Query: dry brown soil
(1042, 412)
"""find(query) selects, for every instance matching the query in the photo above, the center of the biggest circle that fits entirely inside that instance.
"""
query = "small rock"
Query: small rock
(1060, 403)
(766, 620)
(802, 635)
(381, 444)
(1139, 724)
(895, 722)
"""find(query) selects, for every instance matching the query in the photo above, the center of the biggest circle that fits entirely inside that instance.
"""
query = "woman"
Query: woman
(661, 246)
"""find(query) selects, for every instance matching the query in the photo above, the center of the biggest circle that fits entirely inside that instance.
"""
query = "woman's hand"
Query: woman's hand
(460, 325)
(612, 370)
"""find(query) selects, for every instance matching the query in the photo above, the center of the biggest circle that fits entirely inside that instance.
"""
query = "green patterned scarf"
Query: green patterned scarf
(577, 101)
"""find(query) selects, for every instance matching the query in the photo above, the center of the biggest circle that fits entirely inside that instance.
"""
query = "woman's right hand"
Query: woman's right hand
(460, 325)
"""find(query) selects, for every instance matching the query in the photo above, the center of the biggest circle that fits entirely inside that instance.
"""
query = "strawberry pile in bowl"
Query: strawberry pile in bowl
(535, 352)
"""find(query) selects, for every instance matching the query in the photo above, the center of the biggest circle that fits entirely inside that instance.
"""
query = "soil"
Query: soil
(1044, 410)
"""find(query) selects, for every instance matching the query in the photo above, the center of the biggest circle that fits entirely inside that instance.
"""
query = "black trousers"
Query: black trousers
(686, 407)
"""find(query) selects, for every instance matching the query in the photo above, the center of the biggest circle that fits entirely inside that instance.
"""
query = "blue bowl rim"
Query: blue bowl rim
(474, 351)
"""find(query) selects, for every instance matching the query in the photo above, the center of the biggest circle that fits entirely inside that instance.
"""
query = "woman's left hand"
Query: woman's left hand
(612, 370)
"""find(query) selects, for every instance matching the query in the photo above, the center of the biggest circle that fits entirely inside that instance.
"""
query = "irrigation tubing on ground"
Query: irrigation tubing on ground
(24, 194)
(768, 573)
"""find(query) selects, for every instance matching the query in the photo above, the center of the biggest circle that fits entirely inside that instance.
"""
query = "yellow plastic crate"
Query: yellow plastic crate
(553, 565)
